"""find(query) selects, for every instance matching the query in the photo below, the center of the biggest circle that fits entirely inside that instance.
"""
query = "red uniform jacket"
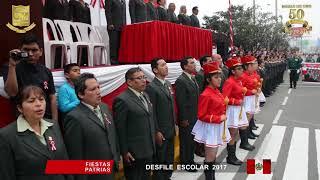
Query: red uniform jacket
(250, 82)
(233, 89)
(211, 106)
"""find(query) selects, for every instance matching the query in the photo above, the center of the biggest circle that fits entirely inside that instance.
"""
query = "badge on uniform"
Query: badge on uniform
(106, 118)
(52, 144)
(45, 85)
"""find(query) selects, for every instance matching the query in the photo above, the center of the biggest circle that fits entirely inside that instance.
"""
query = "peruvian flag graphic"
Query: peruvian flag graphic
(258, 166)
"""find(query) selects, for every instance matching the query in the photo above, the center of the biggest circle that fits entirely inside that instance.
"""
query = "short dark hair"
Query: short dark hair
(130, 72)
(184, 61)
(154, 63)
(195, 8)
(29, 39)
(203, 59)
(67, 67)
(80, 84)
(26, 92)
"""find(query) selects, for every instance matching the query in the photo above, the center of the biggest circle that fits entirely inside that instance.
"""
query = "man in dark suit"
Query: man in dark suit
(200, 74)
(152, 13)
(56, 9)
(172, 17)
(194, 18)
(79, 11)
(89, 129)
(135, 125)
(187, 93)
(161, 96)
(138, 11)
(115, 11)
(162, 12)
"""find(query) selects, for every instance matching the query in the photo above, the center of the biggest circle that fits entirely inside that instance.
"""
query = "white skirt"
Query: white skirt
(249, 104)
(233, 119)
(262, 98)
(210, 134)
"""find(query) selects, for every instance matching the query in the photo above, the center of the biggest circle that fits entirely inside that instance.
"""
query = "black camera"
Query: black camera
(19, 56)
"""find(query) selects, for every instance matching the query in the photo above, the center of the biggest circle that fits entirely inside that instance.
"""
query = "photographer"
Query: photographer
(24, 69)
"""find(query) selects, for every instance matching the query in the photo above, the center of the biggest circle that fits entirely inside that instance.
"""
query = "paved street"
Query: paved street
(289, 136)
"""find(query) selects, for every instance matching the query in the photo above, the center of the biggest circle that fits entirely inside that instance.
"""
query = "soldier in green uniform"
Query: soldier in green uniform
(294, 64)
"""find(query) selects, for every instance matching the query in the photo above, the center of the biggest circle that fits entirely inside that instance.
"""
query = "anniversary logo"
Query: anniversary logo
(20, 19)
(297, 26)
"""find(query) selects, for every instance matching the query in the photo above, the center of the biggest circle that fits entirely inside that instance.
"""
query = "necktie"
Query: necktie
(194, 80)
(144, 102)
(99, 115)
(167, 88)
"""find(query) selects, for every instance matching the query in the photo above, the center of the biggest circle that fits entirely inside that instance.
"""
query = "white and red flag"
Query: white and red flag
(259, 167)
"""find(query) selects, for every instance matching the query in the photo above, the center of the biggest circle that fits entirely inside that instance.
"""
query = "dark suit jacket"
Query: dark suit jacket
(138, 11)
(194, 21)
(115, 12)
(87, 138)
(53, 9)
(78, 12)
(163, 16)
(172, 17)
(24, 157)
(135, 125)
(200, 80)
(187, 93)
(163, 107)
(152, 13)
(185, 20)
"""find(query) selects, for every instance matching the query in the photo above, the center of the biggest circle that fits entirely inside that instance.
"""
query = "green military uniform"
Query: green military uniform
(294, 65)
(318, 59)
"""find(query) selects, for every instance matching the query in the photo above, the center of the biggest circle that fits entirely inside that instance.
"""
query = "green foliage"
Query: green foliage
(250, 33)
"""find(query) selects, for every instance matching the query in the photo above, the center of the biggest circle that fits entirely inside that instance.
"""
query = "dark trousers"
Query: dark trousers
(114, 37)
(293, 77)
(137, 169)
(187, 145)
(165, 155)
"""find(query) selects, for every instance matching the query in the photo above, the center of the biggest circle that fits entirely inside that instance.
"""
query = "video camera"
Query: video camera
(19, 56)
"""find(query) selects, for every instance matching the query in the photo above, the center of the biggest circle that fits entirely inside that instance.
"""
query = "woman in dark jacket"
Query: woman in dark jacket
(28, 143)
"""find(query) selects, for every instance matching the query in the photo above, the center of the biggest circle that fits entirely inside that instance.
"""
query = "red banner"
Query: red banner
(79, 167)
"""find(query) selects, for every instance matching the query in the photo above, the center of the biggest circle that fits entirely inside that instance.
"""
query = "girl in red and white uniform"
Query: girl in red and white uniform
(250, 81)
(210, 128)
(236, 115)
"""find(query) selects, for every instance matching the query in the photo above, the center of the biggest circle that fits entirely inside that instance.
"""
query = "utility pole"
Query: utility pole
(254, 12)
(276, 9)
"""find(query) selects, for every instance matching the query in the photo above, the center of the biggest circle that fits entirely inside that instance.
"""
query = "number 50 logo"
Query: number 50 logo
(296, 14)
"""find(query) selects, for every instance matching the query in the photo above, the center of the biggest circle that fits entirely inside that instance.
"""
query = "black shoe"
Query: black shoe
(247, 147)
(250, 136)
(210, 172)
(253, 134)
(294, 87)
(191, 170)
(244, 140)
(231, 158)
(254, 128)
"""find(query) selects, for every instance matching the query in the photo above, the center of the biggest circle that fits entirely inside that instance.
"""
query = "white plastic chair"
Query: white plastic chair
(89, 34)
(65, 31)
(104, 36)
(51, 45)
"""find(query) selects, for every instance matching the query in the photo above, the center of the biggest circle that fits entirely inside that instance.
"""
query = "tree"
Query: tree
(265, 32)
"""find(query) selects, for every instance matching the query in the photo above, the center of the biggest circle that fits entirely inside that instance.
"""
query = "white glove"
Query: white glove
(298, 71)
(289, 71)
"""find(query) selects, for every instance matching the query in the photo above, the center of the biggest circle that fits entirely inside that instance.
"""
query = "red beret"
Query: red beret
(212, 67)
(234, 61)
(248, 59)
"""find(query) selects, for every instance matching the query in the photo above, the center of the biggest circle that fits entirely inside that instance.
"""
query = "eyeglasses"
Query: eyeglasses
(140, 78)
(238, 68)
